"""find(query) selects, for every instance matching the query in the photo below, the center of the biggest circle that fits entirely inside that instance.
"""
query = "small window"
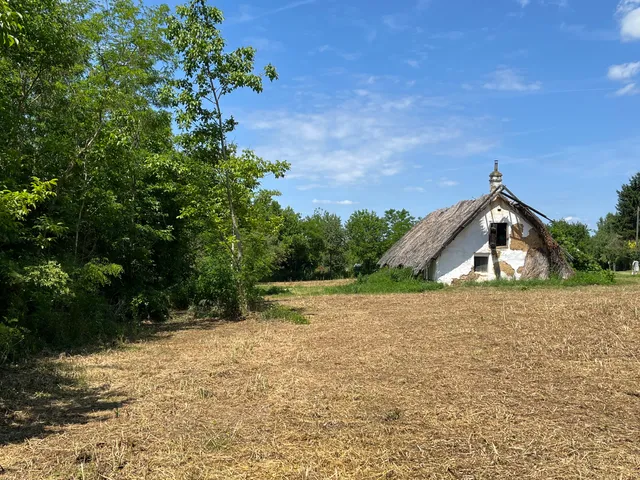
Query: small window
(498, 235)
(481, 263)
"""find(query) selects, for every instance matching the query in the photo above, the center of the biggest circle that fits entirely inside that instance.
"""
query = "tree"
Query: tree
(366, 234)
(399, 222)
(10, 24)
(210, 74)
(327, 239)
(627, 208)
(610, 248)
(575, 238)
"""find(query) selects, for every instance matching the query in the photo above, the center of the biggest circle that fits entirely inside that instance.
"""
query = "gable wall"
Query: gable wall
(456, 261)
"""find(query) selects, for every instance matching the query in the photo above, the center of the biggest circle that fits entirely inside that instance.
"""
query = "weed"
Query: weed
(280, 312)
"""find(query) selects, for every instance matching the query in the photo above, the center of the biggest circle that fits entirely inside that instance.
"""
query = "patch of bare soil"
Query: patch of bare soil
(456, 384)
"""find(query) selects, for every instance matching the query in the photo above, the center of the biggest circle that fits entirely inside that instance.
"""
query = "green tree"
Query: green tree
(610, 249)
(366, 234)
(10, 24)
(627, 207)
(328, 243)
(210, 74)
(399, 222)
(575, 238)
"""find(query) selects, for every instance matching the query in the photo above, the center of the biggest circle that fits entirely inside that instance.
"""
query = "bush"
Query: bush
(217, 288)
(10, 339)
(388, 280)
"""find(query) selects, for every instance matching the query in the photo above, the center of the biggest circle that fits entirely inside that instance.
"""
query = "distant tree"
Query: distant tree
(626, 208)
(576, 239)
(366, 234)
(398, 223)
(328, 239)
(295, 257)
(610, 249)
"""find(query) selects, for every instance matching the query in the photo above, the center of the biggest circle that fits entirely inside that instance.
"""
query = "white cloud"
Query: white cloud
(361, 138)
(445, 182)
(509, 80)
(628, 13)
(624, 72)
(414, 189)
(413, 63)
(334, 202)
(571, 219)
(328, 48)
(630, 89)
(523, 3)
(397, 21)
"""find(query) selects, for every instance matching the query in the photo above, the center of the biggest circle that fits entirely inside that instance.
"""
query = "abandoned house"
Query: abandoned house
(493, 236)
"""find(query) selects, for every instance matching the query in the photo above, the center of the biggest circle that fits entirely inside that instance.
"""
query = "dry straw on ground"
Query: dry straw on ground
(456, 384)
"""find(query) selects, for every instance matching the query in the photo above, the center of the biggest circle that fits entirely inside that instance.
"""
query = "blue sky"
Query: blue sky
(406, 104)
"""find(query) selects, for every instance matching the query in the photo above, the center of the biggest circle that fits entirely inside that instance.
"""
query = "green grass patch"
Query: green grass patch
(280, 312)
(604, 277)
(272, 290)
(385, 281)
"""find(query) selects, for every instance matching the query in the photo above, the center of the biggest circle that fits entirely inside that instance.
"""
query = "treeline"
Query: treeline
(121, 196)
(321, 247)
(612, 244)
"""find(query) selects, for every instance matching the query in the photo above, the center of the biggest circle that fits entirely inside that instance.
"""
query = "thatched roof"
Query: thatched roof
(429, 237)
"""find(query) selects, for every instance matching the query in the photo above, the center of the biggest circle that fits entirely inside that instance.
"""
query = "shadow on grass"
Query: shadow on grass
(40, 397)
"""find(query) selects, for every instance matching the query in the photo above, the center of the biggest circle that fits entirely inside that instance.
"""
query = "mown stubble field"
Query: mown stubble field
(454, 384)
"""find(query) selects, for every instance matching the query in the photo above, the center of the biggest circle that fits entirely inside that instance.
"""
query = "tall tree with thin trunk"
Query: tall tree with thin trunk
(210, 74)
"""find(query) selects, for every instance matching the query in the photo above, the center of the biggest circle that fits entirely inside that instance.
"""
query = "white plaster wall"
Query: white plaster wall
(457, 259)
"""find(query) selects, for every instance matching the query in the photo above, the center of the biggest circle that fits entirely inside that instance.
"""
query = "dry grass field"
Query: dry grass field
(454, 384)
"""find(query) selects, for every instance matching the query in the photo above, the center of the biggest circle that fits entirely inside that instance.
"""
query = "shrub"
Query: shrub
(388, 280)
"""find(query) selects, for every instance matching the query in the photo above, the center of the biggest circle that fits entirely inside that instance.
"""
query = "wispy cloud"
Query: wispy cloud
(555, 3)
(628, 13)
(334, 202)
(349, 56)
(414, 189)
(624, 72)
(509, 80)
(310, 186)
(263, 44)
(585, 33)
(396, 21)
(246, 14)
(523, 3)
(445, 182)
(628, 90)
(360, 139)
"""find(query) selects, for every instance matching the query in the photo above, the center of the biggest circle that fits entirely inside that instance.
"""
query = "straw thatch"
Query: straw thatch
(428, 238)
